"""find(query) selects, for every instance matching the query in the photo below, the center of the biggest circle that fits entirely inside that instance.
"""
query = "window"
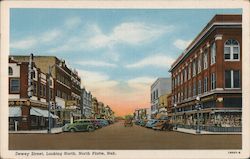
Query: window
(10, 71)
(199, 64)
(213, 53)
(231, 50)
(205, 60)
(44, 90)
(185, 75)
(35, 88)
(157, 93)
(189, 71)
(41, 90)
(194, 88)
(205, 84)
(194, 68)
(199, 87)
(232, 79)
(14, 85)
(213, 81)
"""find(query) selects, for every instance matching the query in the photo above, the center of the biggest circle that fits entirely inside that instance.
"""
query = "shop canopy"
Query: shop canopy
(15, 111)
(40, 112)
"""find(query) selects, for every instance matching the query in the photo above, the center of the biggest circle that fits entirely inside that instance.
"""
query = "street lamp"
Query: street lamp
(175, 125)
(198, 107)
(49, 106)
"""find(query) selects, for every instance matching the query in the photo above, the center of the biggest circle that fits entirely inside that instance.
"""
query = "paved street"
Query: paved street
(117, 136)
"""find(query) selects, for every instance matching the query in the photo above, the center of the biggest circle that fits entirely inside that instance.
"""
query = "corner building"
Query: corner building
(211, 68)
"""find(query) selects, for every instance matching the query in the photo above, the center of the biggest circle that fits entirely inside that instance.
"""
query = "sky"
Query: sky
(118, 53)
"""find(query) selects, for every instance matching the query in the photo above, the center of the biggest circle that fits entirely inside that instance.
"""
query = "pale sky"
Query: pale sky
(118, 53)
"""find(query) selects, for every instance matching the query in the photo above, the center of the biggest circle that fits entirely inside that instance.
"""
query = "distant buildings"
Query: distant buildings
(86, 103)
(210, 68)
(31, 87)
(142, 113)
(160, 87)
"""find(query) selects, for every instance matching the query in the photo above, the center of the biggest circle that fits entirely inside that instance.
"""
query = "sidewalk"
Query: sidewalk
(192, 131)
(53, 131)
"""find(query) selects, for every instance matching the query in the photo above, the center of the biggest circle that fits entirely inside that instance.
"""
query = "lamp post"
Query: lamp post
(49, 106)
(175, 125)
(198, 107)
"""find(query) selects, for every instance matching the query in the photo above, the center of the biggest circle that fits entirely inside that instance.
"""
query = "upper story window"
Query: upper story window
(232, 79)
(213, 81)
(205, 84)
(189, 71)
(10, 71)
(185, 74)
(194, 68)
(14, 85)
(231, 50)
(213, 53)
(205, 60)
(194, 88)
(199, 87)
(199, 64)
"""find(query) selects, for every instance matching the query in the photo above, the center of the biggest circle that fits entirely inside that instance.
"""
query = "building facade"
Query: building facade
(210, 68)
(160, 87)
(28, 96)
(86, 104)
(66, 94)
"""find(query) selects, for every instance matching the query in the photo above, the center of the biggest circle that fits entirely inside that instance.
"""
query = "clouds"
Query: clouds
(141, 83)
(96, 63)
(181, 44)
(131, 33)
(25, 43)
(158, 60)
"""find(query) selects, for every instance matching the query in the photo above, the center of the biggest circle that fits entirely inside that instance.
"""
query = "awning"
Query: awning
(15, 111)
(41, 112)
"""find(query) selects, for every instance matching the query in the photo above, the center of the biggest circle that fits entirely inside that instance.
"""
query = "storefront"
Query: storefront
(28, 115)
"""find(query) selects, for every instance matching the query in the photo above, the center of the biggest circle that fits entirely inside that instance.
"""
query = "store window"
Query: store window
(14, 85)
(213, 53)
(232, 79)
(231, 50)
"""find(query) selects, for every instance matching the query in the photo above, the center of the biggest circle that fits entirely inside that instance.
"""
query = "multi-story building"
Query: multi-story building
(210, 68)
(163, 104)
(28, 96)
(86, 103)
(94, 107)
(160, 87)
(67, 91)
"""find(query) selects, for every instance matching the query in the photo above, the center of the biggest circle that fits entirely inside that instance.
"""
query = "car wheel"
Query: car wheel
(90, 128)
(72, 130)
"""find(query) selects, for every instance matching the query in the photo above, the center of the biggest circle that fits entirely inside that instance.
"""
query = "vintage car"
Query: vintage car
(151, 123)
(163, 125)
(79, 125)
(128, 123)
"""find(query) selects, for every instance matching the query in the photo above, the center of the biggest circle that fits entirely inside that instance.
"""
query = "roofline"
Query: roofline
(197, 39)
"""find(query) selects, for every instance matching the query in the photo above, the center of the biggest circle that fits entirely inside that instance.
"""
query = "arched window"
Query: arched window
(231, 50)
(10, 71)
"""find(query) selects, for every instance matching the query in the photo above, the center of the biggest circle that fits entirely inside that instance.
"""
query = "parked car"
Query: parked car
(151, 123)
(163, 125)
(96, 123)
(79, 125)
(103, 122)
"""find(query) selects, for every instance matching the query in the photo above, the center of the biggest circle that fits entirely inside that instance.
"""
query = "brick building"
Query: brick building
(211, 68)
(28, 110)
(67, 85)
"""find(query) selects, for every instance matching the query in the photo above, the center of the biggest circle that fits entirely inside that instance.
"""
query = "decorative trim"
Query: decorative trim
(218, 37)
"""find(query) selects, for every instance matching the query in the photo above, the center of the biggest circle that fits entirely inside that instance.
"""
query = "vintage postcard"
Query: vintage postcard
(125, 79)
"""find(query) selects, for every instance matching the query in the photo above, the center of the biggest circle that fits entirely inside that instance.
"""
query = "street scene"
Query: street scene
(132, 138)
(125, 79)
